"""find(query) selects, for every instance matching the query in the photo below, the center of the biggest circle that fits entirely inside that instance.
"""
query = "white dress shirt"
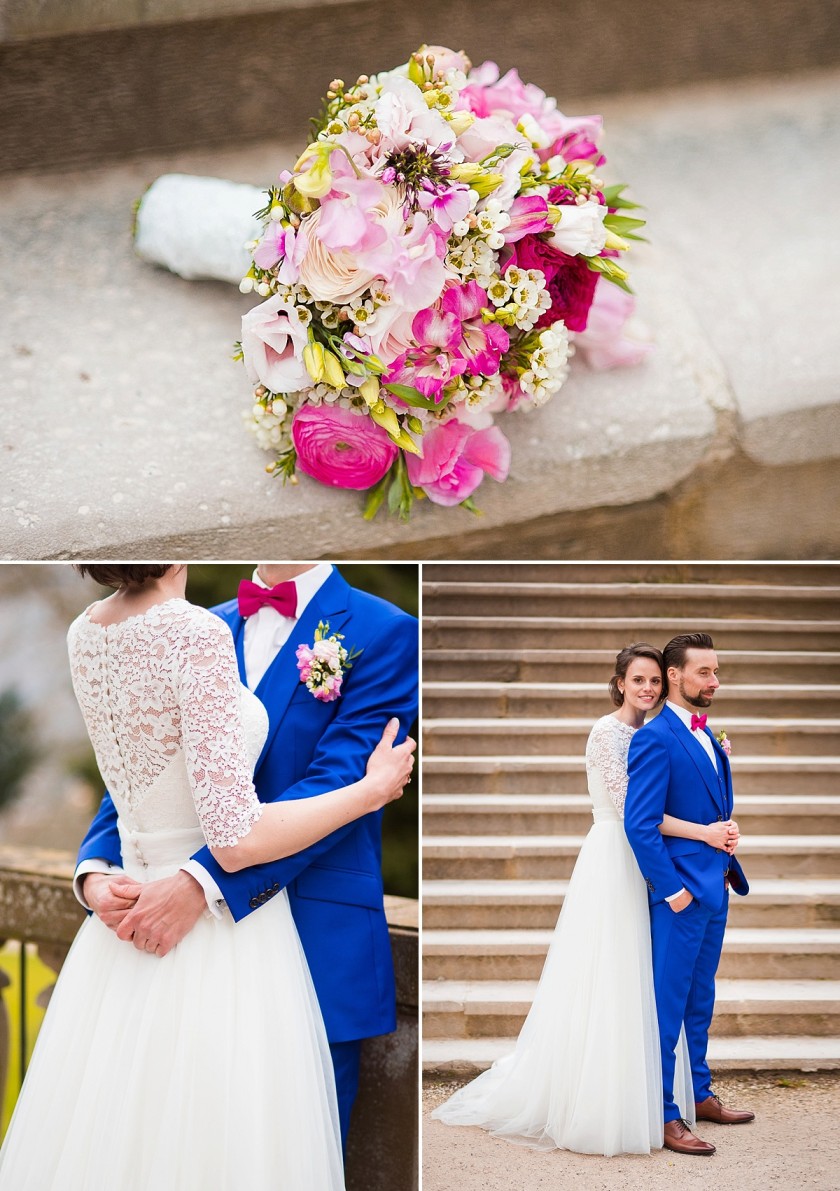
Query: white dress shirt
(266, 632)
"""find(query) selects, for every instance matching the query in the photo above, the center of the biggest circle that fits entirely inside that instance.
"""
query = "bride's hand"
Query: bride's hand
(723, 836)
(389, 766)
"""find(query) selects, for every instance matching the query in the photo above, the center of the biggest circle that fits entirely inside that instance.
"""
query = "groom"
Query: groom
(676, 767)
(334, 886)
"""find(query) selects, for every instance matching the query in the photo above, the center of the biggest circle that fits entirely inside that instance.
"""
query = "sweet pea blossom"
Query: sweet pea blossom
(528, 217)
(341, 448)
(455, 460)
(272, 346)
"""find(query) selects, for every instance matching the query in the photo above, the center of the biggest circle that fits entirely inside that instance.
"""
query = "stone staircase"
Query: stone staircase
(516, 662)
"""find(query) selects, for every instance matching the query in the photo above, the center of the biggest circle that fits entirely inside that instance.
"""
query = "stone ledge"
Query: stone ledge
(122, 437)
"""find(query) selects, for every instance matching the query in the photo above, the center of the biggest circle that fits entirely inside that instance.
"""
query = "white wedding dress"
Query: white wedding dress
(585, 1074)
(209, 1068)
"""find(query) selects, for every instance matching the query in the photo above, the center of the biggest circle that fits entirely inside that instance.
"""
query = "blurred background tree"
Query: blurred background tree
(18, 750)
(214, 583)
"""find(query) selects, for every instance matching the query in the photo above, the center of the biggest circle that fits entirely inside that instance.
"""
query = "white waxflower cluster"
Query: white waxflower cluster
(548, 364)
(520, 297)
(267, 421)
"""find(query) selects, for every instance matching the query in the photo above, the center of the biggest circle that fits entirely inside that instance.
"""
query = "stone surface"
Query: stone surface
(121, 408)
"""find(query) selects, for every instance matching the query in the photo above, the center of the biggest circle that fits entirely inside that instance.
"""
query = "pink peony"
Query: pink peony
(569, 280)
(606, 343)
(455, 459)
(272, 347)
(341, 448)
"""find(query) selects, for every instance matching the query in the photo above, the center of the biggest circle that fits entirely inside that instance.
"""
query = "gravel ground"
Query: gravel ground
(794, 1143)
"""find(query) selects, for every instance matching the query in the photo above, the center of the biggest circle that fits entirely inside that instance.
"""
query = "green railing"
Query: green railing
(39, 917)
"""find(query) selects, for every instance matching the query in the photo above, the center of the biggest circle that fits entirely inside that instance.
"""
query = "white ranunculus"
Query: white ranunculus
(581, 229)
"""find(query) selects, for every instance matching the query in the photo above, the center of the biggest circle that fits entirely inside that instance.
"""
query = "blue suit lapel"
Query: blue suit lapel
(280, 681)
(726, 770)
(697, 753)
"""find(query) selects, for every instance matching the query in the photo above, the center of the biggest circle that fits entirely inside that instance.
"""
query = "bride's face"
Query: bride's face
(642, 684)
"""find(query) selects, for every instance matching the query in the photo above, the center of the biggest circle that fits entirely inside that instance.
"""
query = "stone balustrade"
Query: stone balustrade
(37, 906)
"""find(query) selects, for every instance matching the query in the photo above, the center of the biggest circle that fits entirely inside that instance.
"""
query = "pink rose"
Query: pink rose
(455, 459)
(272, 347)
(341, 448)
(608, 341)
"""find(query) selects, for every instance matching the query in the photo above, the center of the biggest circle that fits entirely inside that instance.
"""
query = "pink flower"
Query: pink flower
(341, 448)
(446, 206)
(330, 690)
(350, 215)
(606, 343)
(272, 347)
(528, 217)
(569, 280)
(455, 459)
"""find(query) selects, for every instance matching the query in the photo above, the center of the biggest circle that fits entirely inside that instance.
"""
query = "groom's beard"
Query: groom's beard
(699, 700)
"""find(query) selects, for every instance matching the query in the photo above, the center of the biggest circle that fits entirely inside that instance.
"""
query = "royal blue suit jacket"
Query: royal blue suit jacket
(335, 886)
(670, 773)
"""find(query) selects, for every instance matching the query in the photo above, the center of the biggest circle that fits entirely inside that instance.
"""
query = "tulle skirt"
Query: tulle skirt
(208, 1068)
(585, 1074)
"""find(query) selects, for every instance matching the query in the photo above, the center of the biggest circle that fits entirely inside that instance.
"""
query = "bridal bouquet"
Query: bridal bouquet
(425, 266)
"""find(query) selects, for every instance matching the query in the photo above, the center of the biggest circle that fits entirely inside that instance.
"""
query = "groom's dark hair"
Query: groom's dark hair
(676, 649)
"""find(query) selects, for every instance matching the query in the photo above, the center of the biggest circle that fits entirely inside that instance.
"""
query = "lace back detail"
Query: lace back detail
(163, 705)
(606, 761)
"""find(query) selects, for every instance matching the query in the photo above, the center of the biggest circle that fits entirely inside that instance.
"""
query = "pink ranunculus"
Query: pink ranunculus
(569, 280)
(455, 460)
(608, 341)
(272, 347)
(341, 448)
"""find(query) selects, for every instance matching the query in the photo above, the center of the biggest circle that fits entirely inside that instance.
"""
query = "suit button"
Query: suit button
(275, 889)
(253, 903)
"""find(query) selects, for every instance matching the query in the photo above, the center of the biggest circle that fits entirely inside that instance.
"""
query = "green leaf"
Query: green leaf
(412, 396)
(471, 507)
(610, 271)
(612, 197)
(375, 497)
(622, 224)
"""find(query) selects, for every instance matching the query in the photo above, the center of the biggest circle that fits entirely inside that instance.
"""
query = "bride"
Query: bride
(585, 1073)
(209, 1067)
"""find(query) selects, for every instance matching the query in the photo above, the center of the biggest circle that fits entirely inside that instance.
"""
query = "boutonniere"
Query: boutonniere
(724, 742)
(322, 664)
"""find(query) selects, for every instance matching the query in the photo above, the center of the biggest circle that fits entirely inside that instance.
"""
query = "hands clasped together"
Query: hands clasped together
(157, 915)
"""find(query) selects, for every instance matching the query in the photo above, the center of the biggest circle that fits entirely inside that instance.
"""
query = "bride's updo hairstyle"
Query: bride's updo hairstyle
(117, 575)
(622, 664)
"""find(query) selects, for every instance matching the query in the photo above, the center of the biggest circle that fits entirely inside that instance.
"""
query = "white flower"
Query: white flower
(580, 229)
(534, 132)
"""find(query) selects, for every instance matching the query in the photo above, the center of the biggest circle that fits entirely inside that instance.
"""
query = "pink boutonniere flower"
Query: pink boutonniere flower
(724, 742)
(321, 665)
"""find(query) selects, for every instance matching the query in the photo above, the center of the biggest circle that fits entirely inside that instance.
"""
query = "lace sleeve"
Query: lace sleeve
(606, 754)
(212, 734)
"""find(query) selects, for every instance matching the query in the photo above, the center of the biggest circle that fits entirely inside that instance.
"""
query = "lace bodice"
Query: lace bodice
(606, 763)
(175, 734)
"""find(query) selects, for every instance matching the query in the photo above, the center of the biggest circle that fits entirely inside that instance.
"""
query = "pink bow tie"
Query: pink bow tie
(283, 597)
(698, 721)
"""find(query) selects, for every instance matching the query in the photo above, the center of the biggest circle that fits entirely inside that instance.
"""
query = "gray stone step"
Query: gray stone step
(571, 814)
(465, 1057)
(514, 905)
(562, 774)
(737, 573)
(540, 666)
(605, 632)
(691, 601)
(443, 700)
(523, 736)
(723, 442)
(541, 857)
(489, 1008)
(762, 954)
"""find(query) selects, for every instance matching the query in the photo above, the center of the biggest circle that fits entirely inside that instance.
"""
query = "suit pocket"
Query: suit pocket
(682, 847)
(340, 885)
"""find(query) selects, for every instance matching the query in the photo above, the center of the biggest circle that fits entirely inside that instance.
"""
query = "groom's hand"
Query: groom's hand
(165, 912)
(109, 897)
(678, 904)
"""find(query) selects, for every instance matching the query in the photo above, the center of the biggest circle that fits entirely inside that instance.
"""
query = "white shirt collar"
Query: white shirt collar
(307, 583)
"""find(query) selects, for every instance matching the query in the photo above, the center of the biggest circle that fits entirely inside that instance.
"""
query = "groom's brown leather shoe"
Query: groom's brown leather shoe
(711, 1109)
(680, 1139)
